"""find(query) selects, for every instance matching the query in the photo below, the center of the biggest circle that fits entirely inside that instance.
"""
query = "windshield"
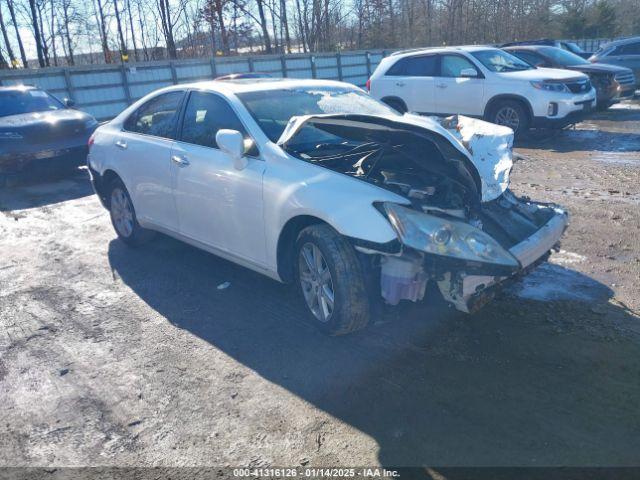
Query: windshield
(501, 61)
(272, 109)
(15, 102)
(572, 46)
(563, 57)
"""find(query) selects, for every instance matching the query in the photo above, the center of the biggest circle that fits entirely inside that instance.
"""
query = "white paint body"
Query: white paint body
(237, 214)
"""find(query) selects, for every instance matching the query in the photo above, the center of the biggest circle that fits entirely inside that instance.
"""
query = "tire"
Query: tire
(123, 215)
(350, 310)
(505, 110)
(396, 104)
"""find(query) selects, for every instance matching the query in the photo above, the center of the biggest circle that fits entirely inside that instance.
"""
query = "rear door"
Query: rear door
(458, 91)
(144, 148)
(218, 205)
(412, 80)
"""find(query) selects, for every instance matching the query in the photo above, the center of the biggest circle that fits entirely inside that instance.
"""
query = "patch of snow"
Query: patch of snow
(566, 258)
(551, 282)
(625, 106)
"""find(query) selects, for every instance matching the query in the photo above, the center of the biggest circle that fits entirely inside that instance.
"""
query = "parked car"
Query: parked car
(624, 53)
(566, 45)
(317, 183)
(39, 133)
(612, 83)
(482, 82)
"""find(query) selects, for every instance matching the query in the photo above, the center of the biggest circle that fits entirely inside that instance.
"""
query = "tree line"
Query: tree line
(41, 33)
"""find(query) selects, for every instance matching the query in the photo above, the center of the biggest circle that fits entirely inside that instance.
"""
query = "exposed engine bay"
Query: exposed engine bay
(463, 229)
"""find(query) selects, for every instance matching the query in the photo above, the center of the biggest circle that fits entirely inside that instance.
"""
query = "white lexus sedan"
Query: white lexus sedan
(318, 184)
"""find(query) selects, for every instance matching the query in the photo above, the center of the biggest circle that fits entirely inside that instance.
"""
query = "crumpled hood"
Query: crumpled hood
(488, 147)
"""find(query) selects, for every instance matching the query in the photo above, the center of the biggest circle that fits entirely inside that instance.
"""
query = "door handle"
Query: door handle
(121, 144)
(441, 85)
(400, 84)
(180, 160)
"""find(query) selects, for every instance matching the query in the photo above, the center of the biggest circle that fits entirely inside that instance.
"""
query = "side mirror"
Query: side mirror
(69, 103)
(468, 73)
(231, 142)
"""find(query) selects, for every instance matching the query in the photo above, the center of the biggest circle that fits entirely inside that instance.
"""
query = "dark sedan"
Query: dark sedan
(40, 134)
(612, 83)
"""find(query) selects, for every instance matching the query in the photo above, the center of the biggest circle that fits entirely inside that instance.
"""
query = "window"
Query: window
(628, 49)
(423, 66)
(157, 117)
(21, 100)
(529, 57)
(206, 113)
(563, 58)
(452, 65)
(500, 61)
(272, 109)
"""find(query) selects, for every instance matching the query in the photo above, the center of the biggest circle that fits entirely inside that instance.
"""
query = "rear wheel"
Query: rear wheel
(512, 114)
(331, 281)
(123, 216)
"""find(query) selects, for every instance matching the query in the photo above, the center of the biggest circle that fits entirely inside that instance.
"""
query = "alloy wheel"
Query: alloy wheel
(121, 212)
(508, 117)
(316, 282)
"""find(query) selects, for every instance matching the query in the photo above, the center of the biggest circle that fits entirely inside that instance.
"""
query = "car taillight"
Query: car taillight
(91, 140)
(368, 85)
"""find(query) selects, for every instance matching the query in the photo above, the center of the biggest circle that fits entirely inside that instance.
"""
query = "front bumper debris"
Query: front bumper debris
(470, 292)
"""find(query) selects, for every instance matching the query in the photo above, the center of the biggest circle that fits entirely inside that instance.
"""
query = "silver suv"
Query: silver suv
(625, 53)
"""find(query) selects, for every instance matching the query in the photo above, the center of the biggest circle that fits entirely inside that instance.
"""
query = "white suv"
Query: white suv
(482, 82)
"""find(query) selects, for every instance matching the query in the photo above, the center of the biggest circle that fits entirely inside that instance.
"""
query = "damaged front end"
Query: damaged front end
(461, 228)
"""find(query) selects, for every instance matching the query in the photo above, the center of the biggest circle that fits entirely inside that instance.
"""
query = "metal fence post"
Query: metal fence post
(251, 66)
(214, 70)
(283, 65)
(368, 59)
(339, 60)
(174, 75)
(314, 71)
(125, 84)
(67, 82)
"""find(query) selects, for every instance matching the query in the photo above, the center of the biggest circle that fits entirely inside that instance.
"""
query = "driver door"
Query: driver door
(217, 204)
(456, 91)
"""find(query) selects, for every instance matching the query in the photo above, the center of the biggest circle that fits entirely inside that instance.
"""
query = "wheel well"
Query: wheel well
(495, 100)
(287, 241)
(389, 100)
(107, 177)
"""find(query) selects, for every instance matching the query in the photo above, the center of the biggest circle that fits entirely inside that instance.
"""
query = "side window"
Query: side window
(530, 58)
(206, 113)
(157, 117)
(422, 66)
(630, 49)
(452, 65)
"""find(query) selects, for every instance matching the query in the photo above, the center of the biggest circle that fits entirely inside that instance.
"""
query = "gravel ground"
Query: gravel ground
(115, 356)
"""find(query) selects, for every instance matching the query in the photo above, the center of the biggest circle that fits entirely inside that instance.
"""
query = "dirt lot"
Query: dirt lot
(114, 356)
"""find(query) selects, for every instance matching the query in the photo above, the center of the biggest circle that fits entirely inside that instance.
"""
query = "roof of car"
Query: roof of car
(621, 41)
(461, 48)
(258, 84)
(16, 88)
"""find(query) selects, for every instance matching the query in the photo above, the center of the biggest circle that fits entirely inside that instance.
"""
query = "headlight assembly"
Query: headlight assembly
(550, 86)
(448, 238)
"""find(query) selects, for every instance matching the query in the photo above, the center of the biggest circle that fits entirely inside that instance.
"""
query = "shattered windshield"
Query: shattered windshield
(501, 61)
(272, 109)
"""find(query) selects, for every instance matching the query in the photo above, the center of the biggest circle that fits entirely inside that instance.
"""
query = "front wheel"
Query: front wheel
(510, 114)
(123, 216)
(331, 281)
